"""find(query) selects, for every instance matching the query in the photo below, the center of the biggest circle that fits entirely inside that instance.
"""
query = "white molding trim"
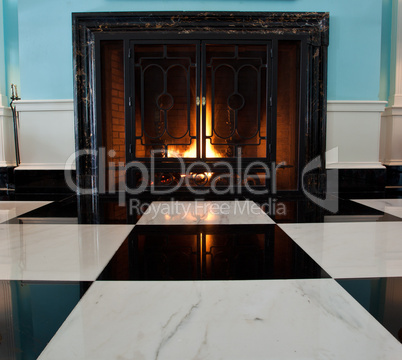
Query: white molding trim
(5, 111)
(7, 164)
(393, 162)
(355, 165)
(393, 111)
(391, 136)
(68, 105)
(355, 105)
(44, 105)
(44, 166)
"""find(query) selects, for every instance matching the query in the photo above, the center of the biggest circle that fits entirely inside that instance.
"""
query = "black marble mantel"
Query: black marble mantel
(311, 28)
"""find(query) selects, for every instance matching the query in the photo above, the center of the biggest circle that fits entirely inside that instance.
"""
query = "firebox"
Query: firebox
(200, 100)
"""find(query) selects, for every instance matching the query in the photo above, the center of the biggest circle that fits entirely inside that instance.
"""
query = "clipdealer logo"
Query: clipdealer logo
(329, 202)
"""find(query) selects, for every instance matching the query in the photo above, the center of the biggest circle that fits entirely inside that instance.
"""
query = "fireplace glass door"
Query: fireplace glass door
(235, 92)
(166, 93)
(199, 100)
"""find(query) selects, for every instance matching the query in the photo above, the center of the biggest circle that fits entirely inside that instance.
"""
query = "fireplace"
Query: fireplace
(228, 101)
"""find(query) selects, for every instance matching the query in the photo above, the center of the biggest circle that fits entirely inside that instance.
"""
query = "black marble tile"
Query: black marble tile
(394, 176)
(62, 211)
(362, 180)
(7, 177)
(109, 210)
(41, 182)
(32, 312)
(303, 210)
(210, 252)
(7, 195)
(82, 210)
(381, 297)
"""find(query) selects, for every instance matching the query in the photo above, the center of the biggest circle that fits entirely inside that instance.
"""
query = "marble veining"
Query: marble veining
(58, 252)
(221, 320)
(352, 250)
(390, 206)
(293, 318)
(11, 209)
(204, 212)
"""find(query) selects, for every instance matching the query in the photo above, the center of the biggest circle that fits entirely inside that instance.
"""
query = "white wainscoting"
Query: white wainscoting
(7, 149)
(46, 133)
(391, 136)
(353, 127)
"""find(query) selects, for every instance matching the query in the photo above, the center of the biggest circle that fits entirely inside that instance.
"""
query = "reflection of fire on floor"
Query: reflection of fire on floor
(238, 252)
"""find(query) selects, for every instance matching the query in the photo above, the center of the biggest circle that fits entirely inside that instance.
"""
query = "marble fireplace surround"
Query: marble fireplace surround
(311, 28)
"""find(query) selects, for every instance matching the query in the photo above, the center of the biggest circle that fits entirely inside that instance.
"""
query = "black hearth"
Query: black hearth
(248, 89)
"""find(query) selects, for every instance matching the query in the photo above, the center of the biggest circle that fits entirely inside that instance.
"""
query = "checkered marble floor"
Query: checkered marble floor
(283, 279)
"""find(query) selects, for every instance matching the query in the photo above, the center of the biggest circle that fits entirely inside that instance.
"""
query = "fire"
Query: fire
(191, 151)
(210, 151)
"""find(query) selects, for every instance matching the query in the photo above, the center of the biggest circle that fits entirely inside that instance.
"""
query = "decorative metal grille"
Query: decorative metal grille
(233, 110)
(236, 89)
(165, 97)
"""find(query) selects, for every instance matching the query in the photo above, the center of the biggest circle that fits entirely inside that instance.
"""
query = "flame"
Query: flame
(191, 151)
(210, 151)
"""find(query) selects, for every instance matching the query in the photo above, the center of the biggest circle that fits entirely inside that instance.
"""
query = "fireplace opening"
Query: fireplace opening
(208, 102)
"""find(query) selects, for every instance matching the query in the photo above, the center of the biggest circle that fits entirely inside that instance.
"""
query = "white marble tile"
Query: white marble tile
(352, 250)
(11, 209)
(58, 252)
(204, 212)
(288, 319)
(389, 206)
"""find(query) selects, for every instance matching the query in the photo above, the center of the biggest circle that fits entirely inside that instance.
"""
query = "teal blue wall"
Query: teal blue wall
(11, 44)
(385, 49)
(45, 41)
